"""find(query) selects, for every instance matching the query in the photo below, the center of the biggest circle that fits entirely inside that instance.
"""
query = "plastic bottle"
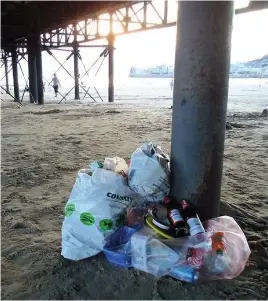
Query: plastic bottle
(218, 242)
(218, 263)
(192, 218)
(213, 265)
(219, 258)
(174, 216)
(216, 260)
(201, 243)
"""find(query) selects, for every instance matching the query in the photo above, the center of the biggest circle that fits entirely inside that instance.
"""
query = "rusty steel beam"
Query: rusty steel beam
(89, 31)
(33, 95)
(15, 74)
(76, 65)
(39, 70)
(111, 39)
(6, 74)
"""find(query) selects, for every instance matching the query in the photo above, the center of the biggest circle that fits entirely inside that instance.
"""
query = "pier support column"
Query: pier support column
(111, 39)
(15, 74)
(6, 73)
(39, 70)
(200, 102)
(33, 95)
(76, 71)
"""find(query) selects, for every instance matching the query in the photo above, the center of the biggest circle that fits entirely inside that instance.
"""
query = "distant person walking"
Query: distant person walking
(56, 84)
(171, 84)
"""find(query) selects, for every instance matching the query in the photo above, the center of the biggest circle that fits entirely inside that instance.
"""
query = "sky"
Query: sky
(154, 47)
(249, 41)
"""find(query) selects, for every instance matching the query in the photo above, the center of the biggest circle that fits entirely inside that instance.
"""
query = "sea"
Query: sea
(245, 94)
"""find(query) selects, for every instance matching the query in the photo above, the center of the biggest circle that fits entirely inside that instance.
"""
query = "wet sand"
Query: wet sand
(42, 149)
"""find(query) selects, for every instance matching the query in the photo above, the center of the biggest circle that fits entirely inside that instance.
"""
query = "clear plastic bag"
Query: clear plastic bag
(149, 172)
(117, 248)
(219, 253)
(153, 255)
(229, 252)
(143, 249)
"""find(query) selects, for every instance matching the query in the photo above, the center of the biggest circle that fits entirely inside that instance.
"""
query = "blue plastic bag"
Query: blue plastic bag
(117, 249)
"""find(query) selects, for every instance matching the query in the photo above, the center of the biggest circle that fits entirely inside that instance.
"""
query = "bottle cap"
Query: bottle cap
(219, 252)
(166, 200)
(218, 242)
(100, 165)
(184, 204)
(218, 236)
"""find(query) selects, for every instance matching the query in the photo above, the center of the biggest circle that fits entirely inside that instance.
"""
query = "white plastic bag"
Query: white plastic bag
(94, 210)
(149, 172)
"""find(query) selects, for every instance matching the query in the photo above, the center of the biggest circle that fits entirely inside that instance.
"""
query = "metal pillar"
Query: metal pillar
(200, 102)
(76, 71)
(111, 39)
(39, 71)
(32, 70)
(15, 74)
(6, 74)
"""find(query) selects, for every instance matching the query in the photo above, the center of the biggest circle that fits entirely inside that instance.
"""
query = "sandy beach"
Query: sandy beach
(42, 149)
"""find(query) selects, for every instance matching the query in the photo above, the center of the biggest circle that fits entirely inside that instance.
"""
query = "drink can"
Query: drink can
(175, 216)
(185, 272)
(195, 257)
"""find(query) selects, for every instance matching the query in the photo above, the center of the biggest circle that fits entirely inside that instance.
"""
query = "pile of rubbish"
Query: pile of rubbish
(124, 210)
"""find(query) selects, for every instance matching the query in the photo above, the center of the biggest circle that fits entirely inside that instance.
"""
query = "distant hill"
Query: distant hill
(255, 68)
(258, 63)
